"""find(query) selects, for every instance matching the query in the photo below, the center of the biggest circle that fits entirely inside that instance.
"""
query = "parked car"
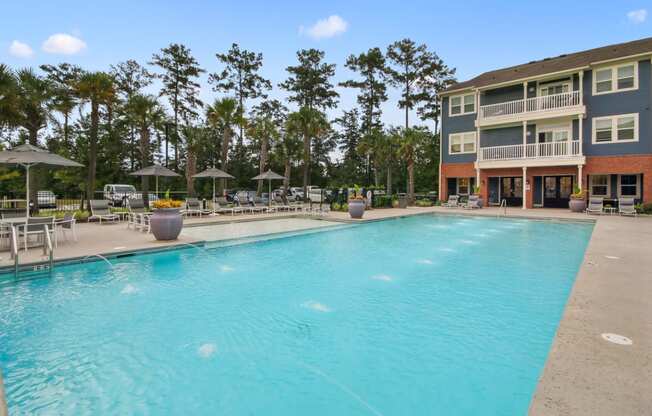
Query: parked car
(117, 194)
(46, 199)
(291, 195)
(297, 192)
(315, 194)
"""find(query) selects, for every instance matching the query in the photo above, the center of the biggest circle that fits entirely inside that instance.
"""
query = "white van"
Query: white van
(116, 194)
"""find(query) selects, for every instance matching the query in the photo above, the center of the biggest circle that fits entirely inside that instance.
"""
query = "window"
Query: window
(616, 78)
(628, 185)
(554, 88)
(600, 185)
(554, 133)
(463, 186)
(613, 129)
(462, 104)
(461, 143)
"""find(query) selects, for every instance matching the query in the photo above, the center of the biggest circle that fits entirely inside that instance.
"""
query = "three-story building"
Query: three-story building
(531, 133)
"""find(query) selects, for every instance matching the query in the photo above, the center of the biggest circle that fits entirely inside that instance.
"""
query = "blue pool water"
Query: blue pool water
(430, 315)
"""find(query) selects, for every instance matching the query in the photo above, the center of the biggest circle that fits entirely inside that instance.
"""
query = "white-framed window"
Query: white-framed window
(463, 186)
(599, 185)
(628, 186)
(462, 104)
(623, 77)
(615, 129)
(460, 143)
(553, 88)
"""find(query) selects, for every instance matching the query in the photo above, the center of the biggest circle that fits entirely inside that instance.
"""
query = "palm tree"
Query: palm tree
(264, 132)
(145, 112)
(34, 94)
(288, 149)
(8, 97)
(97, 88)
(410, 142)
(382, 149)
(224, 115)
(307, 123)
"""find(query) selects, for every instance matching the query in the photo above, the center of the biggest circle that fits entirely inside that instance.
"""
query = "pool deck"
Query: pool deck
(583, 375)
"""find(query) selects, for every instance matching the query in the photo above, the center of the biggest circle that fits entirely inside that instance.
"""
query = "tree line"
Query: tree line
(112, 123)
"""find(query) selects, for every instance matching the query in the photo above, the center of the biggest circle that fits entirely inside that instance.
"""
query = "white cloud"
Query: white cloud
(326, 28)
(20, 49)
(637, 16)
(62, 43)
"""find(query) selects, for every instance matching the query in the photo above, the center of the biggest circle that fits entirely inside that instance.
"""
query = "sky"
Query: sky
(471, 36)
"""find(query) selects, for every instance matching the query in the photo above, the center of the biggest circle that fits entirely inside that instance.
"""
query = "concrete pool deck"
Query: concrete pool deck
(583, 375)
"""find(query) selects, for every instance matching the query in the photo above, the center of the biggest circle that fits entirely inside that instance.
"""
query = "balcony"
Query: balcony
(531, 154)
(545, 106)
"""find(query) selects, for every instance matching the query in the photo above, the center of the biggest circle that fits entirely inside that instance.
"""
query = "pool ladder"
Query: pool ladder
(503, 206)
(48, 251)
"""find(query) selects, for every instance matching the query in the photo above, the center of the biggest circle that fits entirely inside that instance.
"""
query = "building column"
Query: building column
(579, 176)
(524, 187)
(580, 133)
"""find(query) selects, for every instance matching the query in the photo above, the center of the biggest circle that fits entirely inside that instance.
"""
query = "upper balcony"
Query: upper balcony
(544, 106)
(560, 153)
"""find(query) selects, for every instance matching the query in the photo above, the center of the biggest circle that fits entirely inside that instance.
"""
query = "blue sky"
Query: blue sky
(471, 36)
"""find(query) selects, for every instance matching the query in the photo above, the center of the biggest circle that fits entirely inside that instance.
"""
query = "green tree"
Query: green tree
(62, 79)
(411, 65)
(410, 145)
(179, 78)
(438, 77)
(348, 138)
(224, 115)
(310, 88)
(372, 86)
(8, 97)
(145, 112)
(289, 149)
(240, 76)
(96, 88)
(265, 124)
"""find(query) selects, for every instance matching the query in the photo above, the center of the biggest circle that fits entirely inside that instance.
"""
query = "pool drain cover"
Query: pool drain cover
(617, 339)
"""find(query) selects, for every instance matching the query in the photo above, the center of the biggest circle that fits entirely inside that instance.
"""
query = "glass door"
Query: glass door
(557, 191)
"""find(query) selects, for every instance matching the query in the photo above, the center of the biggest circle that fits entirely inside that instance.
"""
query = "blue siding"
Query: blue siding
(637, 101)
(501, 137)
(457, 124)
(501, 95)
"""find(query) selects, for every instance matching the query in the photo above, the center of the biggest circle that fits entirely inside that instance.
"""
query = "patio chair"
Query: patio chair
(223, 206)
(596, 205)
(138, 215)
(473, 202)
(100, 210)
(453, 202)
(67, 223)
(193, 206)
(35, 226)
(257, 205)
(626, 206)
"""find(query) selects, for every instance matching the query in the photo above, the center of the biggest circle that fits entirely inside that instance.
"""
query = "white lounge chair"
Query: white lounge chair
(193, 206)
(626, 206)
(100, 210)
(596, 205)
(473, 202)
(67, 223)
(453, 202)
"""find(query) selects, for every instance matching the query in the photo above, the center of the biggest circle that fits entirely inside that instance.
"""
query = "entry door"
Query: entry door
(512, 190)
(557, 191)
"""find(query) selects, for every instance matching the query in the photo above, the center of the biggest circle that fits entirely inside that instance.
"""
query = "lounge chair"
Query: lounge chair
(244, 208)
(193, 206)
(596, 205)
(453, 202)
(626, 206)
(67, 223)
(36, 226)
(257, 205)
(223, 206)
(473, 202)
(100, 210)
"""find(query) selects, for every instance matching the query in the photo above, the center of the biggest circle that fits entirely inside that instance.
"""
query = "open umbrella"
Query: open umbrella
(154, 170)
(214, 173)
(28, 155)
(269, 175)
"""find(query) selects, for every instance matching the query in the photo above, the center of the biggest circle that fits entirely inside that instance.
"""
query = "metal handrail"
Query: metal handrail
(503, 204)
(47, 247)
(14, 249)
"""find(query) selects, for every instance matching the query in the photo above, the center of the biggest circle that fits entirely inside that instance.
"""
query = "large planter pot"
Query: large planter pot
(480, 201)
(356, 208)
(166, 223)
(577, 205)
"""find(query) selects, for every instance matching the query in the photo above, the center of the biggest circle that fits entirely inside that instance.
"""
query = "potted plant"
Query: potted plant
(166, 222)
(476, 192)
(356, 203)
(577, 201)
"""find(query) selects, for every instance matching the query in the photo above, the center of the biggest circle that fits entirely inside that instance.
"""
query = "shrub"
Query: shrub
(423, 203)
(336, 206)
(345, 207)
(167, 203)
(81, 216)
(644, 208)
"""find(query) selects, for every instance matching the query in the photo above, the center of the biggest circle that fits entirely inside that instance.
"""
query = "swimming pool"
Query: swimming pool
(421, 316)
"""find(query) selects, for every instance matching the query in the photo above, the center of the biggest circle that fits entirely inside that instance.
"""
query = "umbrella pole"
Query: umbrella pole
(213, 201)
(27, 196)
(156, 187)
(269, 193)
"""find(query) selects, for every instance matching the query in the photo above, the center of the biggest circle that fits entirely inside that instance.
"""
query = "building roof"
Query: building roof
(557, 64)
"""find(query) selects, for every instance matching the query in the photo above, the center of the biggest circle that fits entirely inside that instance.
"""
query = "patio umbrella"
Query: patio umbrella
(214, 173)
(156, 171)
(269, 175)
(28, 155)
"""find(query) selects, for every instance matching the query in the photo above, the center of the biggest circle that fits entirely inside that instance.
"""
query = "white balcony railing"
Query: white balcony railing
(531, 151)
(530, 105)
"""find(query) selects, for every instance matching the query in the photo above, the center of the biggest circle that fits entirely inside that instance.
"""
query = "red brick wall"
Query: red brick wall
(594, 165)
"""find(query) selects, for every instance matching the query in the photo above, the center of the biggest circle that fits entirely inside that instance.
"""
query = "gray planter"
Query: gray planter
(356, 208)
(577, 205)
(166, 223)
(480, 201)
